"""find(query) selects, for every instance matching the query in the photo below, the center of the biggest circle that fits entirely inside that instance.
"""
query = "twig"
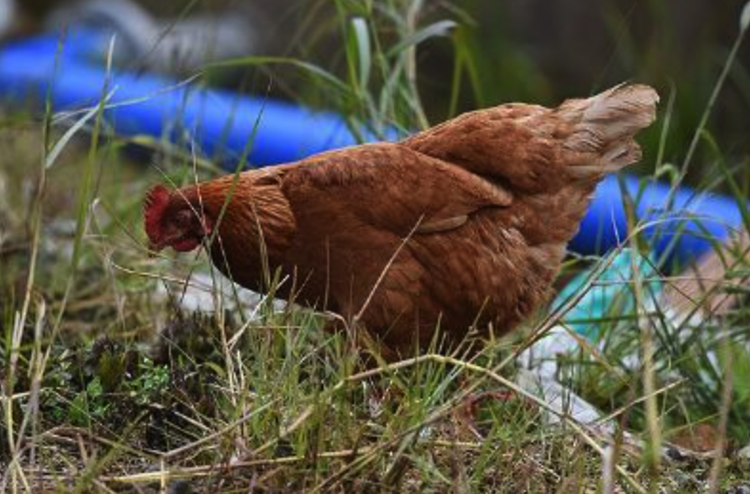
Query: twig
(211, 437)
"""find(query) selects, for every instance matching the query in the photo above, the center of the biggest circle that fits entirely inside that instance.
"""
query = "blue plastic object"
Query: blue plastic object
(690, 228)
(221, 123)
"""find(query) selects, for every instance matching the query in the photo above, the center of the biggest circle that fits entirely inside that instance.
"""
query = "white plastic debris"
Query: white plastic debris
(562, 400)
(203, 294)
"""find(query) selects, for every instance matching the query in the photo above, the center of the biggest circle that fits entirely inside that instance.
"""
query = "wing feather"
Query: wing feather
(388, 187)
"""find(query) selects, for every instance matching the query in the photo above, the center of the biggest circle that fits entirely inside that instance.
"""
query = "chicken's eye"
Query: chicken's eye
(183, 219)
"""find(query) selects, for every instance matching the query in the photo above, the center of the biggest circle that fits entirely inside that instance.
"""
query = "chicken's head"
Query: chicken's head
(171, 220)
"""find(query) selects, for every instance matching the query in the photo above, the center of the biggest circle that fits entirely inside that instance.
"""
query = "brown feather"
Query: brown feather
(485, 202)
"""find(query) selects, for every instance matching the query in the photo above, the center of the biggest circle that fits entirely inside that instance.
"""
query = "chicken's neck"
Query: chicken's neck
(254, 230)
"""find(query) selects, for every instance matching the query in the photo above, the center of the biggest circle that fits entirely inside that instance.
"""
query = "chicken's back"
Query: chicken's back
(550, 159)
(535, 149)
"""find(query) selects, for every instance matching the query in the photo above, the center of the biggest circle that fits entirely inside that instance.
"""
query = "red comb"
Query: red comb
(153, 207)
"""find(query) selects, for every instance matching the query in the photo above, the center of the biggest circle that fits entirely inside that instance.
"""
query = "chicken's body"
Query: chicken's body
(461, 226)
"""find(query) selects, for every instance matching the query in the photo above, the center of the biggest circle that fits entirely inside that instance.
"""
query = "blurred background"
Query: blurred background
(528, 50)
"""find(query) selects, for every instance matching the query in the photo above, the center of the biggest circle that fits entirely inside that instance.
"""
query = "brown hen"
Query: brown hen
(467, 222)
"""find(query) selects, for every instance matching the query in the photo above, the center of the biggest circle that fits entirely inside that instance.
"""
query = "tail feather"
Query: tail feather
(606, 123)
(523, 145)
